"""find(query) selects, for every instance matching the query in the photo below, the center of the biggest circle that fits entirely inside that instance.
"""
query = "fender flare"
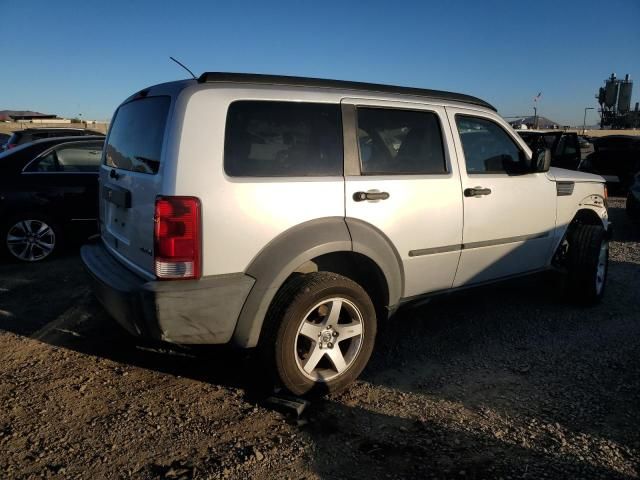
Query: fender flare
(279, 259)
(591, 203)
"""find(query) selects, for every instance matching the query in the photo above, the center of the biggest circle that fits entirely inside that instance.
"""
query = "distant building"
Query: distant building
(31, 116)
(26, 116)
(526, 123)
(38, 118)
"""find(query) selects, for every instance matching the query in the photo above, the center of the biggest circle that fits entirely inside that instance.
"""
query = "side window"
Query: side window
(488, 148)
(400, 142)
(46, 164)
(567, 145)
(283, 139)
(79, 158)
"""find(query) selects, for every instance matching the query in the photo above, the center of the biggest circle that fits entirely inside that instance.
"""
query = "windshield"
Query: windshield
(135, 138)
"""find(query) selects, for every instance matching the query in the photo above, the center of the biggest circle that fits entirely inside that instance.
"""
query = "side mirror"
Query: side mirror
(541, 160)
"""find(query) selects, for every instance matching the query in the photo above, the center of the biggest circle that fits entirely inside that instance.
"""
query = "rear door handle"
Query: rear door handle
(476, 191)
(362, 196)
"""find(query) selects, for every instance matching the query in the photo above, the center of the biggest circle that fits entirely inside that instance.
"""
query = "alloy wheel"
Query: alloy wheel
(329, 339)
(31, 240)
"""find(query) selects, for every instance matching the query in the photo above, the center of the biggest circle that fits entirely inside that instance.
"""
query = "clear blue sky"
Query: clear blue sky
(73, 57)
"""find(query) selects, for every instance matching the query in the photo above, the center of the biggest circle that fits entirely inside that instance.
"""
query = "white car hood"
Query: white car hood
(564, 175)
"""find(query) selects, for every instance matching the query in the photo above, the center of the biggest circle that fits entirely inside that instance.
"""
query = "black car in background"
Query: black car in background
(28, 135)
(616, 158)
(565, 146)
(48, 194)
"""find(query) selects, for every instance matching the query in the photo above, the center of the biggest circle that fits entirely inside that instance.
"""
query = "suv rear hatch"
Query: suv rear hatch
(130, 180)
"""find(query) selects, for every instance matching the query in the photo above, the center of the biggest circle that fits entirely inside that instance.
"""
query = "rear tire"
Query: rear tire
(319, 333)
(587, 263)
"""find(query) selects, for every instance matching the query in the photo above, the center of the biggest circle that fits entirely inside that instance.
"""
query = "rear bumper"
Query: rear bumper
(201, 311)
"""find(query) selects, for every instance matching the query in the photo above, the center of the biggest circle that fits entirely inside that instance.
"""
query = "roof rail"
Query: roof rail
(255, 78)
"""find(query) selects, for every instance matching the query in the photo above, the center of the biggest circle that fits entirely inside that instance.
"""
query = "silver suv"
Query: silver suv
(291, 214)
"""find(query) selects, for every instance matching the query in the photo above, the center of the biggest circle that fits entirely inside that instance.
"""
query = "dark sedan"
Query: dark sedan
(616, 158)
(28, 135)
(48, 194)
(565, 146)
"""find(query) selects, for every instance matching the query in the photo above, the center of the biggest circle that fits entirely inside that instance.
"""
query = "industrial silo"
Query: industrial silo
(611, 91)
(624, 99)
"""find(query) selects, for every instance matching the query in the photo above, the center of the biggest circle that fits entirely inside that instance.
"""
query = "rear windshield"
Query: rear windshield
(135, 138)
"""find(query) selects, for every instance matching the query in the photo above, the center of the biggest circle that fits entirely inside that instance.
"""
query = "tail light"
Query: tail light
(177, 238)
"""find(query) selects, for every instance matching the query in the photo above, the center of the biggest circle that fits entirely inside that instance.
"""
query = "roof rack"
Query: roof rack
(255, 78)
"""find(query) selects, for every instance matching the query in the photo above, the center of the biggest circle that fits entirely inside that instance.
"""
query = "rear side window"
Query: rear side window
(46, 164)
(71, 158)
(136, 135)
(399, 142)
(79, 158)
(283, 139)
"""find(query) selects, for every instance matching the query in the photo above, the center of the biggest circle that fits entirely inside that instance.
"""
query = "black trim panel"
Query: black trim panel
(564, 189)
(117, 195)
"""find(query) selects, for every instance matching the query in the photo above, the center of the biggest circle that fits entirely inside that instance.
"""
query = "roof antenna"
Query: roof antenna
(182, 65)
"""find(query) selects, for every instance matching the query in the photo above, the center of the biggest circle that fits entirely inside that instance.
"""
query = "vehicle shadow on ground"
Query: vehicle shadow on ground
(520, 350)
(394, 447)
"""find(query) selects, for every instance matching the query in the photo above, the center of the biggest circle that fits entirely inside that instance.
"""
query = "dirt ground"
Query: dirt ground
(506, 382)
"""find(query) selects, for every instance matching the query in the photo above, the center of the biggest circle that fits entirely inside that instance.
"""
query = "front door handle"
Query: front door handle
(370, 195)
(476, 191)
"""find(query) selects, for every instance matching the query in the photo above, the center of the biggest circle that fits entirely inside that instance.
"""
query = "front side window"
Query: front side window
(136, 135)
(488, 148)
(283, 139)
(400, 142)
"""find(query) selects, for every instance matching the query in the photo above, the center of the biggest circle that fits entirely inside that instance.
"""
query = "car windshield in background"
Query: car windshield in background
(135, 139)
(532, 139)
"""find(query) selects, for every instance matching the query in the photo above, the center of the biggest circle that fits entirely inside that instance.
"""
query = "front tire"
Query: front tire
(587, 263)
(320, 333)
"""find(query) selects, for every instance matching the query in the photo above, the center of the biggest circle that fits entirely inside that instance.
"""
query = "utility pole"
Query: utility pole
(584, 120)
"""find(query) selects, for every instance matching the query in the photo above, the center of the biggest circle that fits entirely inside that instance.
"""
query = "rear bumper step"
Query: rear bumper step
(201, 311)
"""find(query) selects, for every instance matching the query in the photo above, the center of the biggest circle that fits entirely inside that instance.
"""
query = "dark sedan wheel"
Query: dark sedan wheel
(30, 239)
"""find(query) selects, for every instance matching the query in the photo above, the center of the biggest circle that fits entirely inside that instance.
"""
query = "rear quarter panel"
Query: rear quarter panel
(240, 216)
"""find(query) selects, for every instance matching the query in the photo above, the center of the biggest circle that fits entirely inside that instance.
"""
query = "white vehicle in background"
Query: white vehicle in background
(291, 214)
